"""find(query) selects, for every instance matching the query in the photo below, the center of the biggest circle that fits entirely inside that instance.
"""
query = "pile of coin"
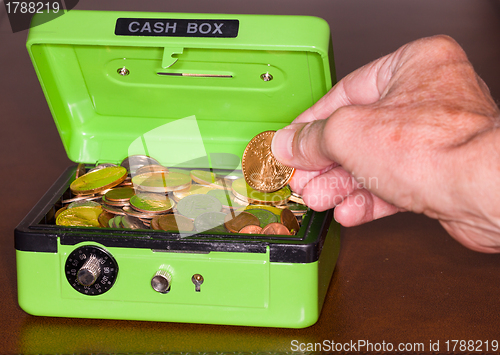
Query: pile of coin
(140, 193)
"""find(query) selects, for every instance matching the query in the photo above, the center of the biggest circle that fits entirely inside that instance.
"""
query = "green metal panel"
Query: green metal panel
(239, 288)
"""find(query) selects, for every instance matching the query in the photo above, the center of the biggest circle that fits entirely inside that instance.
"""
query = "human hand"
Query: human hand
(416, 130)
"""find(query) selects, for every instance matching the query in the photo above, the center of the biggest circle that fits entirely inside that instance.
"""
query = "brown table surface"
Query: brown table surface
(399, 279)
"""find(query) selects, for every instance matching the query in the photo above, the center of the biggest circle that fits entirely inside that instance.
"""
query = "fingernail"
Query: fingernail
(281, 146)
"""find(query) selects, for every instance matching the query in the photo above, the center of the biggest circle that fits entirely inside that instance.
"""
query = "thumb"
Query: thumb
(301, 146)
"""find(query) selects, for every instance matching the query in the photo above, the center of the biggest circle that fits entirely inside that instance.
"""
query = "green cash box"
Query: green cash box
(190, 90)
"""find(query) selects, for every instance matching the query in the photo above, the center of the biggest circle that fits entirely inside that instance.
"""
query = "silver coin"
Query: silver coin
(210, 221)
(101, 166)
(132, 222)
(194, 205)
(81, 198)
(131, 212)
(228, 177)
(113, 210)
(115, 222)
(134, 162)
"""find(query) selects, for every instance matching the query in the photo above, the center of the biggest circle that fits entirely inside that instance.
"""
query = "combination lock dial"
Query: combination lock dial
(91, 270)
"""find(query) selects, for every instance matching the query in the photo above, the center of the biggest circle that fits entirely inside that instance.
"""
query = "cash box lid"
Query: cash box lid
(178, 87)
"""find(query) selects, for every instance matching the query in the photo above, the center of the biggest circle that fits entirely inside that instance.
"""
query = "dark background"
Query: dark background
(399, 279)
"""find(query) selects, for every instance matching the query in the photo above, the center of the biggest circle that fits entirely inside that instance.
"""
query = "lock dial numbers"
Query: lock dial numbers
(91, 270)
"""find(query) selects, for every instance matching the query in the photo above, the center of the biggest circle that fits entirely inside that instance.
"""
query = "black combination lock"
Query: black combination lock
(91, 270)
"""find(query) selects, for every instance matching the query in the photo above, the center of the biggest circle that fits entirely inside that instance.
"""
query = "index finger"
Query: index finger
(363, 86)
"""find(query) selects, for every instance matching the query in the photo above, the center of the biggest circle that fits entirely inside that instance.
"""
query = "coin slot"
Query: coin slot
(197, 280)
(197, 75)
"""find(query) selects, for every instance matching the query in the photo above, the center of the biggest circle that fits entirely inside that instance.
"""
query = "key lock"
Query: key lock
(197, 279)
(162, 281)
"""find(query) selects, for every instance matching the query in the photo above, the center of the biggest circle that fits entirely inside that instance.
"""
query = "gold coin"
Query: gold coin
(58, 212)
(260, 168)
(245, 192)
(80, 217)
(99, 180)
(151, 203)
(162, 182)
(289, 220)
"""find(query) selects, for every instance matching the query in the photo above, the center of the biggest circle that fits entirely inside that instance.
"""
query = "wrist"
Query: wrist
(474, 193)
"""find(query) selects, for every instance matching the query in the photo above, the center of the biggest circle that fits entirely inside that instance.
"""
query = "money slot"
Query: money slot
(196, 75)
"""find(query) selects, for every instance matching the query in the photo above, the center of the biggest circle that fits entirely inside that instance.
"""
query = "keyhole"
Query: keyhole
(197, 279)
(266, 77)
(123, 71)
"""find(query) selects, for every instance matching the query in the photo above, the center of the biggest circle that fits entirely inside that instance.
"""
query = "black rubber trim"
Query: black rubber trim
(26, 239)
(36, 236)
